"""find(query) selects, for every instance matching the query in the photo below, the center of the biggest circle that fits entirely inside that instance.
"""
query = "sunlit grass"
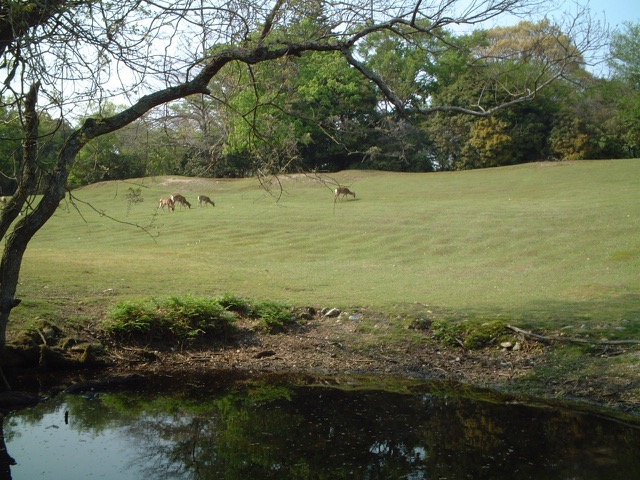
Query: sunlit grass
(544, 244)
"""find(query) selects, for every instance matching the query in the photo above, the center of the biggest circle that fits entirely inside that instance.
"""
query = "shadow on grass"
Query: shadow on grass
(616, 317)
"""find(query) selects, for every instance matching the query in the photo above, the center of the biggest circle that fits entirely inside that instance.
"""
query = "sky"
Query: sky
(615, 11)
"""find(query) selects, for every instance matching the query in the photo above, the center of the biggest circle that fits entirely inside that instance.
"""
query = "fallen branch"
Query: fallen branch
(556, 338)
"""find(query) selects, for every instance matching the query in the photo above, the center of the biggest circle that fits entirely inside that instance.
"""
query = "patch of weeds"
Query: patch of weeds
(235, 304)
(628, 327)
(561, 366)
(303, 314)
(448, 332)
(472, 335)
(485, 334)
(175, 318)
(274, 317)
(420, 323)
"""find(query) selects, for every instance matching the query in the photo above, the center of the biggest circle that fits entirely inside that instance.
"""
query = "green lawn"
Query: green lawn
(547, 244)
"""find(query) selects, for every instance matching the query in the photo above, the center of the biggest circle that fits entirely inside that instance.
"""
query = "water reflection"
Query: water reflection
(255, 428)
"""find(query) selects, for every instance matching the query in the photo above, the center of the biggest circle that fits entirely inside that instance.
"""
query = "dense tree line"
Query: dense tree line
(316, 112)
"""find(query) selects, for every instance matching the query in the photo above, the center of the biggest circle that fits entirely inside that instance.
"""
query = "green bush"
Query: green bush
(176, 318)
(471, 335)
(235, 304)
(448, 332)
(274, 317)
(189, 318)
(481, 335)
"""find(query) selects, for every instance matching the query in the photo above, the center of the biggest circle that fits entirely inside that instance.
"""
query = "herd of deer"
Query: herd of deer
(170, 201)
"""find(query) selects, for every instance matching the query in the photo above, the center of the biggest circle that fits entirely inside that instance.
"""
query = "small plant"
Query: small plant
(448, 332)
(274, 317)
(176, 318)
(234, 304)
(420, 323)
(481, 335)
(471, 335)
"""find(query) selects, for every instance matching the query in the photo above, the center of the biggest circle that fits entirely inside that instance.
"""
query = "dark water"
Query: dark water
(218, 427)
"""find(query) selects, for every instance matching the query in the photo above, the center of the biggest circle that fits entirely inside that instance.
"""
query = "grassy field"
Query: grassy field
(546, 245)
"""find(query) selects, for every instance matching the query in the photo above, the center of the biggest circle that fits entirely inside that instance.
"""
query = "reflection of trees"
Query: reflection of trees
(172, 446)
(270, 431)
(336, 434)
(325, 433)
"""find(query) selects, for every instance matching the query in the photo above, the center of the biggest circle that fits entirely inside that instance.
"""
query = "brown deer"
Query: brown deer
(203, 199)
(177, 198)
(167, 202)
(344, 191)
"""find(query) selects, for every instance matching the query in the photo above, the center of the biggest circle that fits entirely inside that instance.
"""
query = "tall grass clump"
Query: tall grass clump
(178, 319)
(272, 317)
(235, 304)
(472, 335)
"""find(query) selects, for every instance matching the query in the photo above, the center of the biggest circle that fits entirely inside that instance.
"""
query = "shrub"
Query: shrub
(448, 332)
(471, 335)
(175, 318)
(274, 317)
(234, 304)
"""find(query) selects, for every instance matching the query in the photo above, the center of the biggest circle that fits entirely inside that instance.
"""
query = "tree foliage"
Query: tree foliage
(625, 54)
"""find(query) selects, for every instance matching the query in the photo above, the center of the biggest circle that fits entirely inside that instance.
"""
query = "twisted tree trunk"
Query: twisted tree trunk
(24, 230)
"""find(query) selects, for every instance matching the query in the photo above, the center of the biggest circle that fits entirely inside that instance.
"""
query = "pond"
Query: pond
(237, 426)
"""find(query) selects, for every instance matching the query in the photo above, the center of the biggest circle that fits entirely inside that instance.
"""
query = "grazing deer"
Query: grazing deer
(344, 191)
(167, 202)
(177, 198)
(203, 199)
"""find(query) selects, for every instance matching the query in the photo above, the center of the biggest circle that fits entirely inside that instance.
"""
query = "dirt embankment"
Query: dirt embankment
(327, 346)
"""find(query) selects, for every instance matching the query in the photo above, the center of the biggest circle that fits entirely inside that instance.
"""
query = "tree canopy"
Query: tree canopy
(625, 54)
